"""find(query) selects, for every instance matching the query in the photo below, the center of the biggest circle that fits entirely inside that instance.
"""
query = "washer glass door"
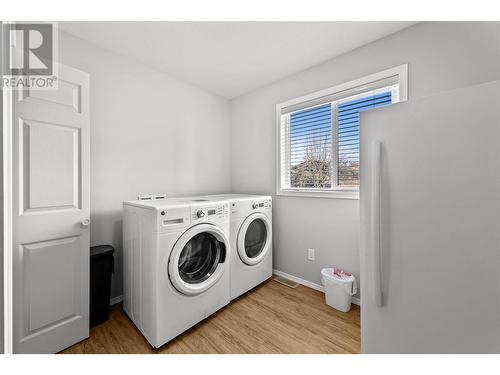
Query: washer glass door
(198, 259)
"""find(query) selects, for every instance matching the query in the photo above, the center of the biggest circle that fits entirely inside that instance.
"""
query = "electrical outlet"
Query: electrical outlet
(310, 254)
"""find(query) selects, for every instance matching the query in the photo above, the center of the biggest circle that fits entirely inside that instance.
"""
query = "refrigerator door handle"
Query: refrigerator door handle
(375, 220)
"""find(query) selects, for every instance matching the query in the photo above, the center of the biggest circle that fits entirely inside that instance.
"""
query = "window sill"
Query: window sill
(338, 194)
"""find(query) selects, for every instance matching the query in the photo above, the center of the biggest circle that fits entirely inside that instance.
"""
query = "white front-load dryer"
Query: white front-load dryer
(250, 237)
(176, 264)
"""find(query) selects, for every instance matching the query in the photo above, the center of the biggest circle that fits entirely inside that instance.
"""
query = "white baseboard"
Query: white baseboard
(115, 300)
(309, 284)
(300, 281)
(306, 283)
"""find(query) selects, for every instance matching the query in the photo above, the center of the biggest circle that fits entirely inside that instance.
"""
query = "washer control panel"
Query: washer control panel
(210, 212)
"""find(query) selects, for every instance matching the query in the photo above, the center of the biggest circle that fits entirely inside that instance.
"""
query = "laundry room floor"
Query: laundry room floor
(271, 318)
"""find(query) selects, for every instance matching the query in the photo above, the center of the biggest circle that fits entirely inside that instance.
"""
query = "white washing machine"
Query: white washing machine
(176, 264)
(250, 237)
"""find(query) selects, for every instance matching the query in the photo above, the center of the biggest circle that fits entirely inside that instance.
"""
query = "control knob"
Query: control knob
(255, 205)
(200, 213)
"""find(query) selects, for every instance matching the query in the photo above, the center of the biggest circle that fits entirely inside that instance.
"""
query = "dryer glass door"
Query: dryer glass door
(254, 238)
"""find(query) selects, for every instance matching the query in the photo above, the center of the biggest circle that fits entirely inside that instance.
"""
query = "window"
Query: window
(347, 113)
(319, 135)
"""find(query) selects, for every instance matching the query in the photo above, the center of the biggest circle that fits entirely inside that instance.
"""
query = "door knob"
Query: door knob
(85, 222)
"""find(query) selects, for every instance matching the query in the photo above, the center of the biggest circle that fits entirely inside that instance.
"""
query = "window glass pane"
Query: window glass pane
(348, 135)
(311, 147)
(309, 160)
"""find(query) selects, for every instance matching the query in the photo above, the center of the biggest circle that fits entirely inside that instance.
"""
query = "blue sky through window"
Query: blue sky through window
(309, 126)
(348, 135)
(311, 142)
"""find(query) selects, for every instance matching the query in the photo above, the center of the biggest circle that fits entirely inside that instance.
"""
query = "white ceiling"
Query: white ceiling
(231, 58)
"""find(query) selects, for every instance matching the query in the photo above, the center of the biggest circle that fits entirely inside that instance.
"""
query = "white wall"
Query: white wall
(441, 56)
(149, 133)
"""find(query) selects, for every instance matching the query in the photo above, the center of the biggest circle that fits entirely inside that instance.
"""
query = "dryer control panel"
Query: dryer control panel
(242, 208)
(261, 204)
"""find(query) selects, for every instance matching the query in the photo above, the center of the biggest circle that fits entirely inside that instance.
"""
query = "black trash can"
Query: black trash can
(102, 264)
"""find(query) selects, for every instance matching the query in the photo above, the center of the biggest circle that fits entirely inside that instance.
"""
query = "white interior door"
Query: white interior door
(2, 306)
(50, 165)
(430, 220)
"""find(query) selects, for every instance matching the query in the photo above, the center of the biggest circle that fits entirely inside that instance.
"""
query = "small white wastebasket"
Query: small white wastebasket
(340, 286)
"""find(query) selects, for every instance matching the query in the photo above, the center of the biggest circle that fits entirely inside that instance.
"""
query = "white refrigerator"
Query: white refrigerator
(430, 224)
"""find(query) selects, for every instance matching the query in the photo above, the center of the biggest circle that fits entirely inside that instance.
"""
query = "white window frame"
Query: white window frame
(351, 88)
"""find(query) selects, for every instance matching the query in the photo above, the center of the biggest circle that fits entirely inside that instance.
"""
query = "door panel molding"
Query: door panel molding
(42, 297)
(31, 137)
(72, 100)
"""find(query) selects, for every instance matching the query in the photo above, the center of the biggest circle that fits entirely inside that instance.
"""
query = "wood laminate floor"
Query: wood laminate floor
(271, 318)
